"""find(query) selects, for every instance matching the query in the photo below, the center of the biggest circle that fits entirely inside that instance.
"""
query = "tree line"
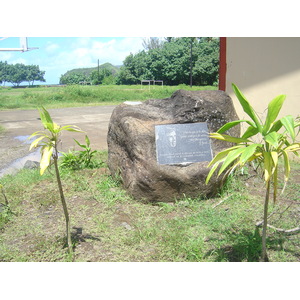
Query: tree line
(103, 76)
(18, 73)
(181, 60)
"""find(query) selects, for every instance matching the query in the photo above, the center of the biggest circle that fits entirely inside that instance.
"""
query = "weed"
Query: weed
(70, 160)
(77, 160)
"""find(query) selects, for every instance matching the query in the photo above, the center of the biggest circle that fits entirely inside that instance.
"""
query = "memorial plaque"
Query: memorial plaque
(182, 143)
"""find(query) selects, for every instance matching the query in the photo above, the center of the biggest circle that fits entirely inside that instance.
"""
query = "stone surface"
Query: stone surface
(132, 150)
(30, 164)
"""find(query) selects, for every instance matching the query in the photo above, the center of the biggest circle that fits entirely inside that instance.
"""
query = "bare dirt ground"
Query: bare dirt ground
(20, 124)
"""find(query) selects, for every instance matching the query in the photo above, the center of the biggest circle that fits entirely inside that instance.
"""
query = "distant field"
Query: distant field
(75, 95)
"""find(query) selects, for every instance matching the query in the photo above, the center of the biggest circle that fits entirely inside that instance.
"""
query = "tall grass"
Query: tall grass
(75, 95)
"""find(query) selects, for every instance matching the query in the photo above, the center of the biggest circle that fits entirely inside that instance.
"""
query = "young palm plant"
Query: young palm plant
(264, 142)
(48, 141)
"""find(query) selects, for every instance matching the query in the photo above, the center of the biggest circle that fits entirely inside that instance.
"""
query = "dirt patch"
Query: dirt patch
(22, 123)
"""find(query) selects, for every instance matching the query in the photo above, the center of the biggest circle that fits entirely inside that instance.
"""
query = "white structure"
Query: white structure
(23, 45)
(154, 81)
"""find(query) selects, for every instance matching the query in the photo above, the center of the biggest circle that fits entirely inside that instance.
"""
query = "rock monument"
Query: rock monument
(160, 148)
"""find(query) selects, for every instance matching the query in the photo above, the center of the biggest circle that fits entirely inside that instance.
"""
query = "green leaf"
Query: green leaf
(56, 128)
(228, 138)
(46, 119)
(293, 147)
(46, 116)
(36, 134)
(46, 157)
(229, 125)
(231, 157)
(276, 126)
(248, 152)
(274, 156)
(274, 108)
(251, 131)
(247, 107)
(287, 167)
(288, 123)
(268, 164)
(272, 138)
(80, 145)
(72, 128)
(212, 170)
(35, 142)
(221, 155)
(87, 140)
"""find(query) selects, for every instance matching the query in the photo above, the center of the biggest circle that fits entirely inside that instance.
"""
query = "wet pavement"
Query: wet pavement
(20, 124)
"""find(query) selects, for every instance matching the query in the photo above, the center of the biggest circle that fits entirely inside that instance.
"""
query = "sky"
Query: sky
(57, 55)
(121, 29)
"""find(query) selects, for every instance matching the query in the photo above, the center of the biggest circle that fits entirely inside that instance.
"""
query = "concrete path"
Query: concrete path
(19, 124)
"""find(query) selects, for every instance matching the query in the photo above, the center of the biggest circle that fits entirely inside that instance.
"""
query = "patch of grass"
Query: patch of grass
(108, 225)
(77, 95)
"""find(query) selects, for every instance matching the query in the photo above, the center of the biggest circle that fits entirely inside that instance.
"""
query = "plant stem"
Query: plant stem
(64, 204)
(5, 199)
(264, 255)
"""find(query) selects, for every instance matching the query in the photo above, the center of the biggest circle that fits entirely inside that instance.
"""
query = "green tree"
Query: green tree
(104, 75)
(175, 61)
(3, 71)
(18, 73)
(206, 67)
(34, 74)
(152, 43)
(135, 68)
(263, 142)
(73, 78)
(48, 140)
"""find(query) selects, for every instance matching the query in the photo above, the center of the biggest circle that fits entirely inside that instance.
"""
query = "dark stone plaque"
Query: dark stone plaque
(182, 143)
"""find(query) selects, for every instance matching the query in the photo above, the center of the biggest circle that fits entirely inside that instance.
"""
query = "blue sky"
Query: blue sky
(57, 55)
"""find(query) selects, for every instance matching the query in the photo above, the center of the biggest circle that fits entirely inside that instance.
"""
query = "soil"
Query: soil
(20, 124)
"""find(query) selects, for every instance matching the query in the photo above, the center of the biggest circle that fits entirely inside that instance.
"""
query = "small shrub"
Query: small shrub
(70, 160)
(77, 160)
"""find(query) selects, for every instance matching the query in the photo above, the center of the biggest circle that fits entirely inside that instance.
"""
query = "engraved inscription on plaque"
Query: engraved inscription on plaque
(182, 143)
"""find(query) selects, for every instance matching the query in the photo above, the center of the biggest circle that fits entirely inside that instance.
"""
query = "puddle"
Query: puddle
(24, 139)
(19, 163)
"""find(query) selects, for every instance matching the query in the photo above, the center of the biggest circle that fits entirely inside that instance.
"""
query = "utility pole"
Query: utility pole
(191, 62)
(98, 73)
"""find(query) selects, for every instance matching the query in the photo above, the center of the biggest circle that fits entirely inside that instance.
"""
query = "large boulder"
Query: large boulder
(132, 148)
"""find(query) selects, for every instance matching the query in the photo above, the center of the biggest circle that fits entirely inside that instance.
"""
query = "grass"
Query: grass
(76, 95)
(108, 225)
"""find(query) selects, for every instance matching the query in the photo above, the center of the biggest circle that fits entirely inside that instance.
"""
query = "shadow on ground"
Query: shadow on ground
(245, 247)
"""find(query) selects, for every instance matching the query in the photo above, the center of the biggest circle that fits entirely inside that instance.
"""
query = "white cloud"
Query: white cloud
(51, 48)
(85, 52)
(82, 42)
